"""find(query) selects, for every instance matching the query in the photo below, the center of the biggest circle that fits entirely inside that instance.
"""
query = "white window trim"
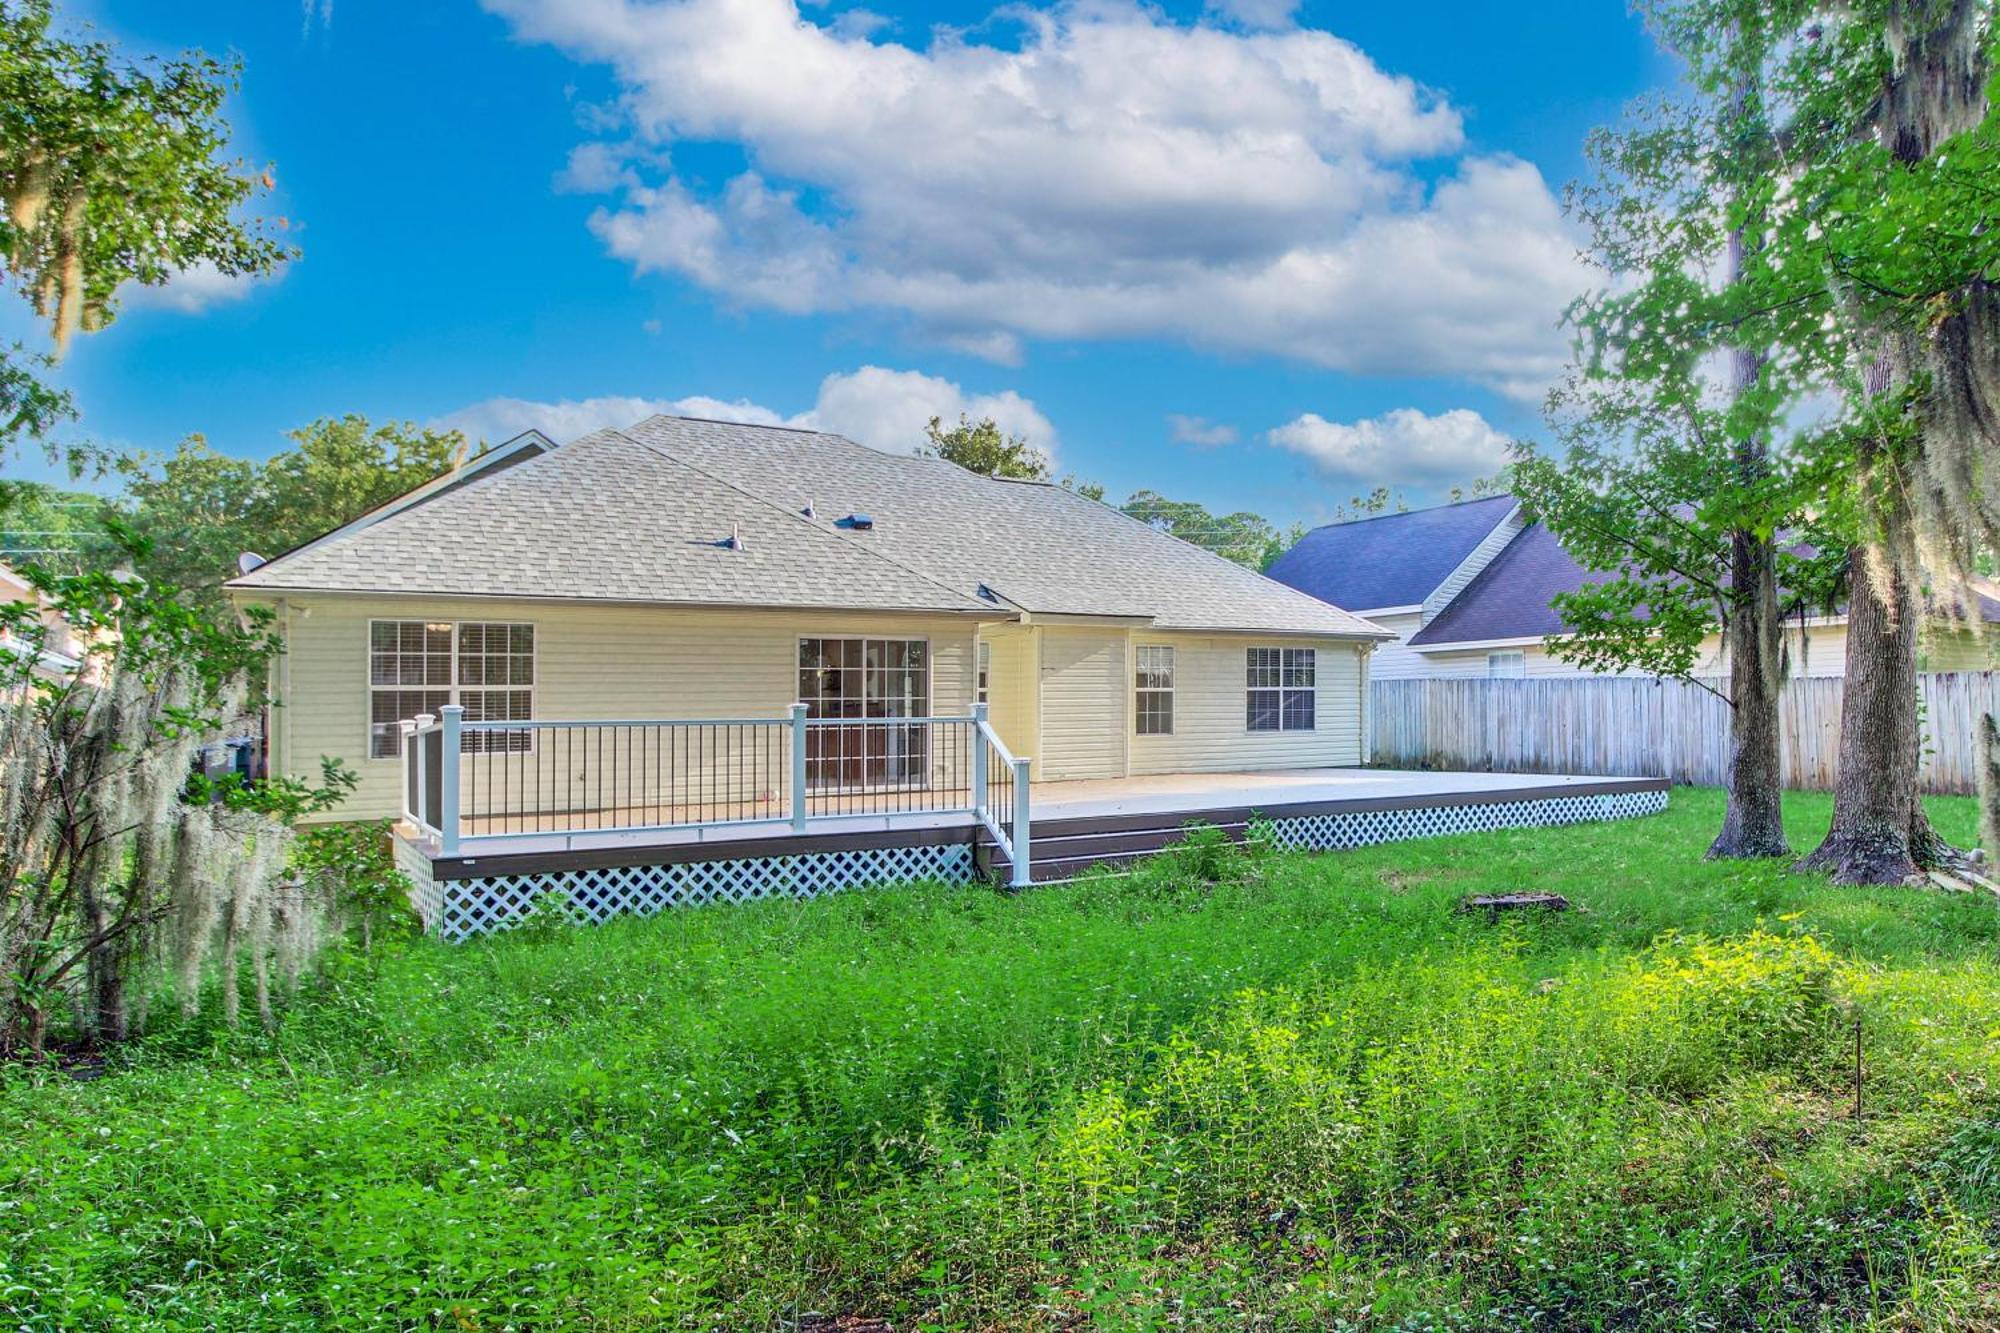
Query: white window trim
(982, 671)
(454, 689)
(1279, 689)
(1517, 656)
(1171, 689)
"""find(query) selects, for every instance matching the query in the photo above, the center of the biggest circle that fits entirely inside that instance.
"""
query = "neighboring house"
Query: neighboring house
(1467, 590)
(685, 569)
(61, 650)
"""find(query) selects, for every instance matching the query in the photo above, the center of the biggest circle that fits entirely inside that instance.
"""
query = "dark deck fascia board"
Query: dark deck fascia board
(729, 849)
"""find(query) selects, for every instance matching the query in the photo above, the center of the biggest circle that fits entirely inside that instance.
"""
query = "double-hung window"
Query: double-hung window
(984, 692)
(1153, 690)
(419, 666)
(1507, 665)
(1281, 689)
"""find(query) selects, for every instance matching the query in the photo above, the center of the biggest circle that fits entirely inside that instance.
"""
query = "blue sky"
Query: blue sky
(1258, 255)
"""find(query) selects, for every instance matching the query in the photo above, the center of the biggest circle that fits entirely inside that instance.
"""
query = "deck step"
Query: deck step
(1064, 848)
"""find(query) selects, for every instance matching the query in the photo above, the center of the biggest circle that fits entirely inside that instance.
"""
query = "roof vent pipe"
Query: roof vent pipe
(735, 541)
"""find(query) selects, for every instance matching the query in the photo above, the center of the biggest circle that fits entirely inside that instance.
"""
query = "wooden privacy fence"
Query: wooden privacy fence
(1639, 727)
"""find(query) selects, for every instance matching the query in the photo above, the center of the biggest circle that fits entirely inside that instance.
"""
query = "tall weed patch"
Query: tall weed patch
(1237, 1089)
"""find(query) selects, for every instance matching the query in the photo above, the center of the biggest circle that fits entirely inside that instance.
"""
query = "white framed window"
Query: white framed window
(981, 688)
(1153, 690)
(1281, 691)
(1509, 664)
(419, 666)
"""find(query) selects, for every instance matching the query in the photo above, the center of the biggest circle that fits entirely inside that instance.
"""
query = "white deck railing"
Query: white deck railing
(486, 785)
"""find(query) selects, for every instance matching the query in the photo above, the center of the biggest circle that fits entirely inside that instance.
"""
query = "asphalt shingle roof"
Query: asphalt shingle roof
(1037, 546)
(1391, 559)
(606, 519)
(1509, 599)
(635, 515)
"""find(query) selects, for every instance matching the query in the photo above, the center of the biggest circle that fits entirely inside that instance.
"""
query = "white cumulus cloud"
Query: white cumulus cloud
(1403, 447)
(884, 409)
(196, 288)
(1199, 432)
(1111, 174)
(888, 409)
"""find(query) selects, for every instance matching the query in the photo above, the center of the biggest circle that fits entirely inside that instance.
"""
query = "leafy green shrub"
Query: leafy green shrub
(353, 863)
(1202, 861)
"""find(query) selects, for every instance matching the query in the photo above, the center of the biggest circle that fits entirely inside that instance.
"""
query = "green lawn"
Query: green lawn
(1312, 1096)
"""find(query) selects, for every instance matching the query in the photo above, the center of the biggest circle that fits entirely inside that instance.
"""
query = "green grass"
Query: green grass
(1311, 1096)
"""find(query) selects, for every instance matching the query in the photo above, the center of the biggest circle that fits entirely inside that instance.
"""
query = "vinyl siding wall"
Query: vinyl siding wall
(1011, 687)
(1210, 732)
(591, 663)
(1397, 660)
(1085, 703)
(1959, 650)
(1821, 651)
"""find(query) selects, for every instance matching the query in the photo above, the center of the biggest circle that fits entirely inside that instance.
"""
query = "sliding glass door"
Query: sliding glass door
(867, 683)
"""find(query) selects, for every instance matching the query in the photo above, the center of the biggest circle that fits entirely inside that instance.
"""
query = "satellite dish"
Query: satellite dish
(248, 561)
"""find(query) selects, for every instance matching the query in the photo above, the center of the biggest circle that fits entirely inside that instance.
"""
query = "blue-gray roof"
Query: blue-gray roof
(1509, 599)
(1391, 559)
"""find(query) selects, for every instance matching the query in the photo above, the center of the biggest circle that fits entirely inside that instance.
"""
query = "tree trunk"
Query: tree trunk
(104, 966)
(1880, 834)
(1753, 822)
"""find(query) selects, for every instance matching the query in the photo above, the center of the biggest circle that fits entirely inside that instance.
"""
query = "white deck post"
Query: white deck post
(424, 722)
(798, 768)
(1023, 825)
(979, 776)
(410, 812)
(454, 716)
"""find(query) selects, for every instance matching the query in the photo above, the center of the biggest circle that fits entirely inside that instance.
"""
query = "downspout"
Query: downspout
(1366, 653)
(1128, 705)
(281, 762)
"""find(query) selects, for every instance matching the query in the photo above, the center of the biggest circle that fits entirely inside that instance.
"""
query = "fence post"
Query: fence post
(978, 759)
(1023, 852)
(798, 768)
(454, 716)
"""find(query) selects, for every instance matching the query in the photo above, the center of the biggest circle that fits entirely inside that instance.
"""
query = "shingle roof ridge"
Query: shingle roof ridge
(1494, 570)
(794, 514)
(1412, 513)
(718, 421)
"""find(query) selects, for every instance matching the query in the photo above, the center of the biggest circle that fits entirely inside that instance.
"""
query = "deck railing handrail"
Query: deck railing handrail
(1014, 838)
(540, 724)
(643, 775)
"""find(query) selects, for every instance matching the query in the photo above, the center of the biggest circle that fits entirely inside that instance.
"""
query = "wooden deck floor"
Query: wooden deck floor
(1074, 822)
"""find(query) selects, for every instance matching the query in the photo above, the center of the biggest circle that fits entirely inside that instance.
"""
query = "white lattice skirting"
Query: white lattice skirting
(1366, 828)
(460, 909)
